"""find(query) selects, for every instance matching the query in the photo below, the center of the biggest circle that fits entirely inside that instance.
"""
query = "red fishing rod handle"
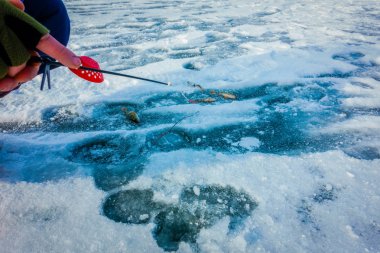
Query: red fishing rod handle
(92, 76)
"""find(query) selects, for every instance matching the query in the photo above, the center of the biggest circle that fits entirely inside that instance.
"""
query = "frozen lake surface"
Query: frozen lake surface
(276, 149)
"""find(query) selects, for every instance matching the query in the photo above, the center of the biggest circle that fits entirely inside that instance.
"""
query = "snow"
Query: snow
(249, 142)
(290, 165)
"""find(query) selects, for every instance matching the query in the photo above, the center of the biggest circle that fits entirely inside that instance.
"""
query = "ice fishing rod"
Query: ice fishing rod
(89, 71)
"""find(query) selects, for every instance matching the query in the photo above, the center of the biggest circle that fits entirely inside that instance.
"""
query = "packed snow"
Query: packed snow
(267, 141)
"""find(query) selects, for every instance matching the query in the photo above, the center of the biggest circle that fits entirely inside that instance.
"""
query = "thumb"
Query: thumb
(53, 48)
(18, 4)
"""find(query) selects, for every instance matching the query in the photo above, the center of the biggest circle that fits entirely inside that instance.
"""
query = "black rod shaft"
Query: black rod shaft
(112, 73)
(124, 75)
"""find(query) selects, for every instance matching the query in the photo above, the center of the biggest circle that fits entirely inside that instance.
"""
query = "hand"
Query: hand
(27, 71)
(18, 3)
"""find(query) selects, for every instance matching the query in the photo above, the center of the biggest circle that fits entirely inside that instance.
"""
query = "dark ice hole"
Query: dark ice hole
(198, 207)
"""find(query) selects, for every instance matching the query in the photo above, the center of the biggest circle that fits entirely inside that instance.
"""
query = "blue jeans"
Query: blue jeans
(53, 15)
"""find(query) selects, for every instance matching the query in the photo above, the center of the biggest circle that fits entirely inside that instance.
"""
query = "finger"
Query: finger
(18, 4)
(14, 70)
(19, 74)
(8, 84)
(53, 48)
(28, 73)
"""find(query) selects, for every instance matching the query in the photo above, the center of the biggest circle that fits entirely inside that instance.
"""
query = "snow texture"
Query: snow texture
(290, 165)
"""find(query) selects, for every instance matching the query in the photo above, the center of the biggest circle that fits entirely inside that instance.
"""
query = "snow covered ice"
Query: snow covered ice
(290, 165)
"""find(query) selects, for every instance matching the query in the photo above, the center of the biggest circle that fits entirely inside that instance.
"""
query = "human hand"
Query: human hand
(28, 70)
(18, 3)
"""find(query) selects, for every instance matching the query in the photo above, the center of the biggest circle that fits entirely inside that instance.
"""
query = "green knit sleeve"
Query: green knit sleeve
(19, 33)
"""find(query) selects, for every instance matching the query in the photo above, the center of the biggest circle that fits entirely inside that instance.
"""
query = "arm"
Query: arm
(15, 69)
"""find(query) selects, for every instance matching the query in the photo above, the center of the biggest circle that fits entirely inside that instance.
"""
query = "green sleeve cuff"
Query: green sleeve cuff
(7, 9)
(19, 34)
